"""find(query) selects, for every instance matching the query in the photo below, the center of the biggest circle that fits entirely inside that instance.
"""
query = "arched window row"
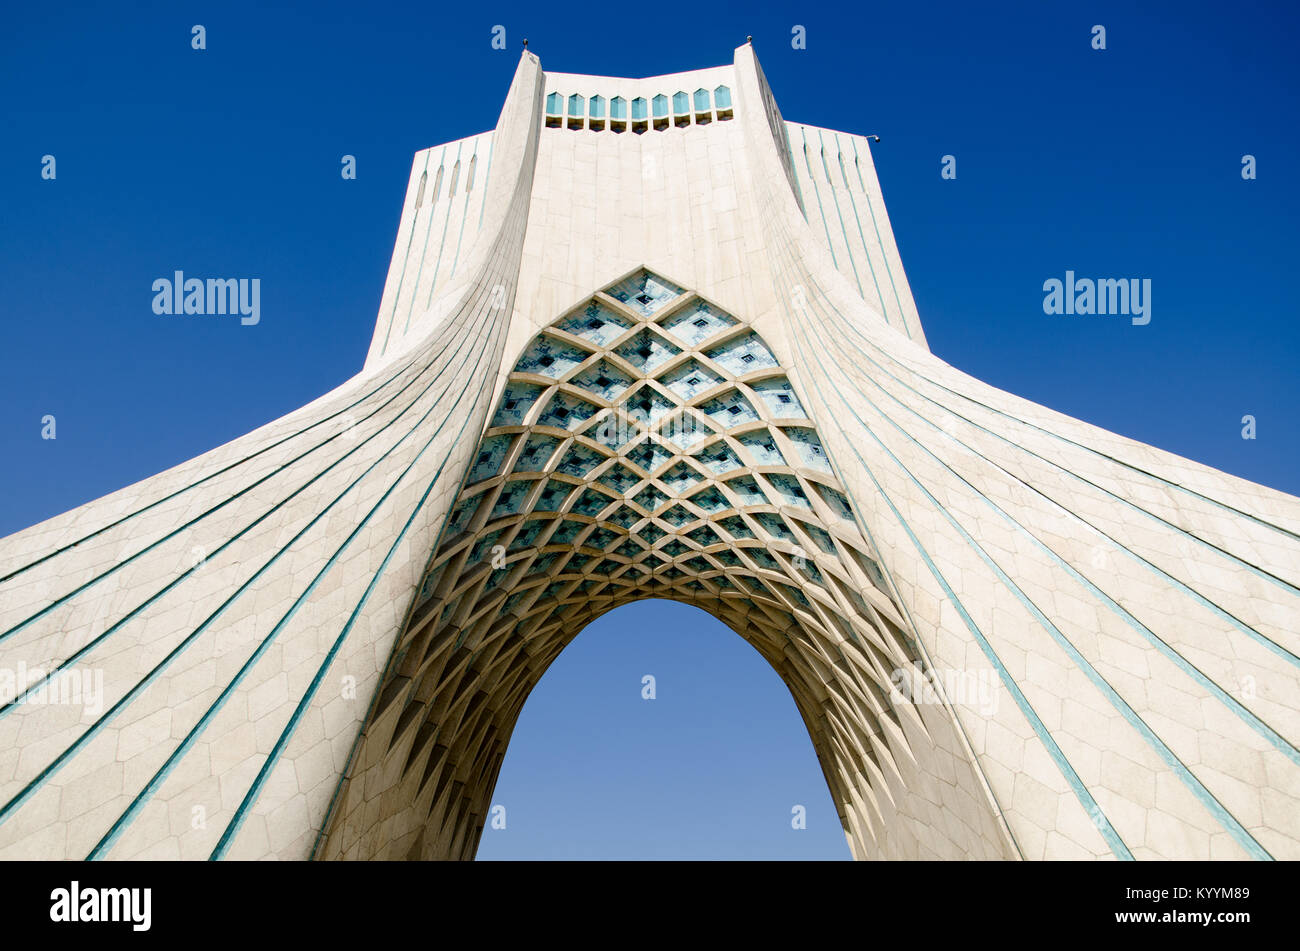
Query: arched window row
(425, 195)
(596, 113)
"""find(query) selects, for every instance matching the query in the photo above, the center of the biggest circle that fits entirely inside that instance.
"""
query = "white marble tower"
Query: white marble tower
(646, 338)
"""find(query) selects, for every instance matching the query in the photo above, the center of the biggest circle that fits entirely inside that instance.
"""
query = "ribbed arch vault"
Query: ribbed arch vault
(646, 444)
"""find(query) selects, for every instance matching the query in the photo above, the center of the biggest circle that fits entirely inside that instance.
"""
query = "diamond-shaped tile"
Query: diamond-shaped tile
(647, 351)
(698, 322)
(596, 323)
(604, 380)
(690, 379)
(565, 411)
(649, 456)
(645, 293)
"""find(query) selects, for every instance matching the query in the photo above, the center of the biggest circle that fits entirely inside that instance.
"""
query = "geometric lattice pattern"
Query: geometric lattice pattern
(646, 445)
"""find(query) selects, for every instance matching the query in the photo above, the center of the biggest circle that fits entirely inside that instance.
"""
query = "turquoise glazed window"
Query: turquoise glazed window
(638, 108)
(660, 104)
(722, 96)
(618, 108)
(701, 100)
(596, 107)
(575, 105)
(681, 103)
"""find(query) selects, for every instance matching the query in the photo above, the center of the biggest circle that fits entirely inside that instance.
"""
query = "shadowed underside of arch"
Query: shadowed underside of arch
(646, 444)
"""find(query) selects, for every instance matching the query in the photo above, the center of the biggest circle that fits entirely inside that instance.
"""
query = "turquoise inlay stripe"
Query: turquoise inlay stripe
(884, 251)
(96, 727)
(165, 770)
(464, 216)
(487, 177)
(1081, 792)
(830, 245)
(1203, 795)
(821, 144)
(437, 267)
(428, 229)
(410, 237)
(866, 251)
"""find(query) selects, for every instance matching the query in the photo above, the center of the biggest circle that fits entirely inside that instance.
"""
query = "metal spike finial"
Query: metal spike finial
(749, 40)
(525, 42)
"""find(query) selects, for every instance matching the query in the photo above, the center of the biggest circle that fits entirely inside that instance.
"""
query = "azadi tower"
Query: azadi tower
(646, 338)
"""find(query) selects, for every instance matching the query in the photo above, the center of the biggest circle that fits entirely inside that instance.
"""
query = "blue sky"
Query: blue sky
(1117, 163)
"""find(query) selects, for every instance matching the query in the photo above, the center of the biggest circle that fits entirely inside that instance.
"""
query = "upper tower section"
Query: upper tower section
(695, 174)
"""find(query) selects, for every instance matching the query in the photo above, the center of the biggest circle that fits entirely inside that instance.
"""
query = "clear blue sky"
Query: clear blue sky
(1122, 163)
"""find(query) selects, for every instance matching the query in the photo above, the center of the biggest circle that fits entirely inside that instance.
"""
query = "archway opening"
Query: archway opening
(658, 734)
